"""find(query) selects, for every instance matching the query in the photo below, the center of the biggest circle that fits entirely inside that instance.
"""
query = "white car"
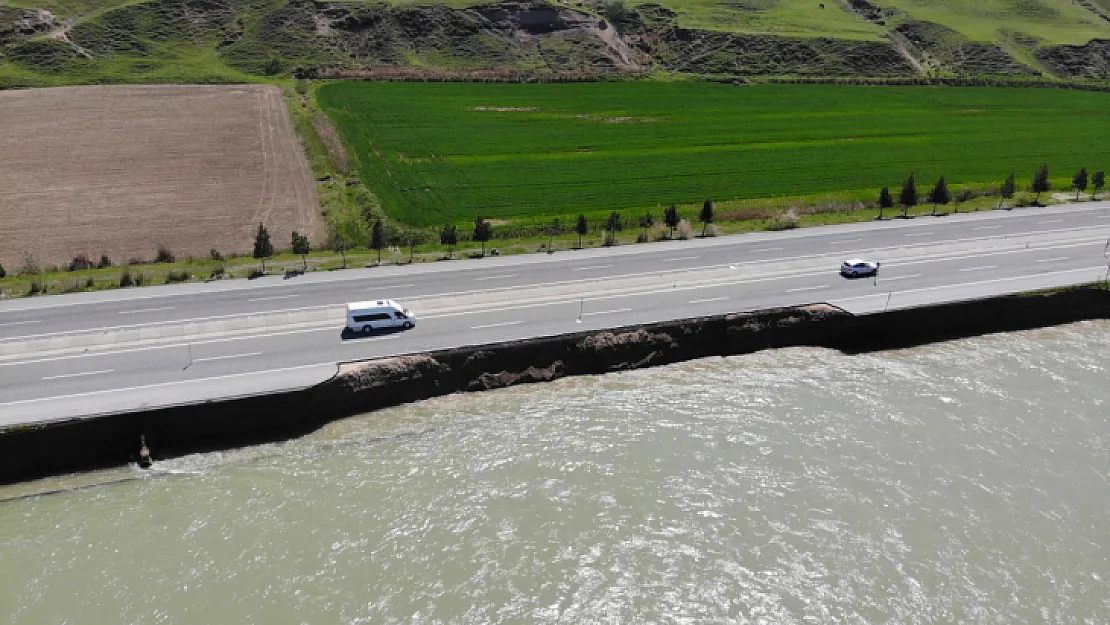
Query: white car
(857, 267)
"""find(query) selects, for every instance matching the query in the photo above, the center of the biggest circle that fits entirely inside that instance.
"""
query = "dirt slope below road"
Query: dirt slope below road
(122, 170)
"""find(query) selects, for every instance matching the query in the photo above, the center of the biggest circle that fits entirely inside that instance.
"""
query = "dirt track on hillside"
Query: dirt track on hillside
(122, 170)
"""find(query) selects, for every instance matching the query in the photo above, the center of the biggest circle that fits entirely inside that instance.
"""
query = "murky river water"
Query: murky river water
(961, 482)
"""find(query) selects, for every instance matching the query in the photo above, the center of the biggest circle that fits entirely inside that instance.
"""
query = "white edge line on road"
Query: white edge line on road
(768, 249)
(133, 326)
(174, 383)
(845, 241)
(271, 297)
(77, 375)
(363, 340)
(979, 268)
(504, 276)
(607, 312)
(919, 234)
(20, 323)
(1052, 260)
(228, 357)
(678, 258)
(912, 275)
(496, 325)
(808, 288)
(708, 299)
(966, 284)
(986, 227)
(144, 310)
(591, 267)
(1050, 221)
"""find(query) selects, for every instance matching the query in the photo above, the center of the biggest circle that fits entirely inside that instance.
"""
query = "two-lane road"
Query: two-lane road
(90, 353)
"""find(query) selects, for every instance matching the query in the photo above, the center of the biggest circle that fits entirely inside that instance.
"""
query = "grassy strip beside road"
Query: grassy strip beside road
(444, 153)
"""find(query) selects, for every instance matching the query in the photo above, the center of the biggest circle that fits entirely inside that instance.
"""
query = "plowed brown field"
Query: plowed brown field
(122, 170)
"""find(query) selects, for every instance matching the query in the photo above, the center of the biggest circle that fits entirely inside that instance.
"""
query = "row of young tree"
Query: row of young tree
(483, 230)
(942, 195)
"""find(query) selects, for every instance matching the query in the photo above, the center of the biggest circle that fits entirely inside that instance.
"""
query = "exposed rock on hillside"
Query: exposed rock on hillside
(339, 38)
(944, 49)
(1089, 61)
(713, 52)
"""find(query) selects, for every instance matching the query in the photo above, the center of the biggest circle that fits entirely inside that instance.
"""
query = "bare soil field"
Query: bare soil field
(123, 170)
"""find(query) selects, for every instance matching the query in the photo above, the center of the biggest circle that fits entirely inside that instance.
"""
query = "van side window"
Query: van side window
(399, 315)
(374, 317)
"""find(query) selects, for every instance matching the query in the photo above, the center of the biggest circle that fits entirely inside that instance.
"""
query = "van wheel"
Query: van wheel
(366, 329)
(408, 325)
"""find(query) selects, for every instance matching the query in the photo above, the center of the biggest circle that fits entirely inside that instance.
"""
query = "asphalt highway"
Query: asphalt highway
(91, 353)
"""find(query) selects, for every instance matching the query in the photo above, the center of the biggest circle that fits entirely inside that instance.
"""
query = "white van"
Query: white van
(383, 313)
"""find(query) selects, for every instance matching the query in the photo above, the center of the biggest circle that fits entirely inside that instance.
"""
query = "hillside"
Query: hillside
(50, 42)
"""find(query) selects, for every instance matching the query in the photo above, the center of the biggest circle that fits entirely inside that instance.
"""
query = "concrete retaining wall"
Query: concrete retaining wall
(28, 453)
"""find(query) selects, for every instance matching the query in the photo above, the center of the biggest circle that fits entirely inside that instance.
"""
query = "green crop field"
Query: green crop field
(435, 153)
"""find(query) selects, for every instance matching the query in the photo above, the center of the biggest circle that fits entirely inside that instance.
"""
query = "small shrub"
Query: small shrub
(3, 274)
(642, 237)
(125, 278)
(255, 273)
(139, 279)
(216, 255)
(89, 282)
(80, 262)
(35, 288)
(30, 266)
(164, 255)
(683, 231)
(301, 86)
(177, 276)
(217, 273)
(105, 262)
(786, 220)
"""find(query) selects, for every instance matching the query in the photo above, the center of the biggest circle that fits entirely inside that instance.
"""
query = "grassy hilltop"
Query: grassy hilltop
(45, 42)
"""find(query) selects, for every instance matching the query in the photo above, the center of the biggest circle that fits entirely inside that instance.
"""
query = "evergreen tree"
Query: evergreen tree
(670, 218)
(940, 194)
(449, 236)
(706, 215)
(646, 222)
(581, 228)
(612, 227)
(555, 228)
(1098, 181)
(339, 244)
(1079, 182)
(301, 246)
(377, 238)
(483, 231)
(263, 248)
(1007, 190)
(908, 198)
(886, 200)
(1040, 182)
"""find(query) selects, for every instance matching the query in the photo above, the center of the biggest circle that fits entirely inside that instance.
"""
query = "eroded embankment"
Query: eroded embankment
(27, 453)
